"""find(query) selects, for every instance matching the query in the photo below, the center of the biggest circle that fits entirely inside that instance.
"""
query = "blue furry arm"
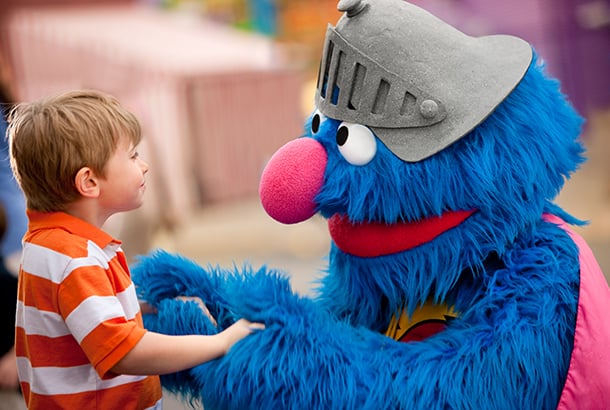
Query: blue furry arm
(160, 277)
(292, 349)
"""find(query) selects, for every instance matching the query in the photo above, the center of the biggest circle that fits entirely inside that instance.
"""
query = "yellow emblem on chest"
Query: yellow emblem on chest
(427, 320)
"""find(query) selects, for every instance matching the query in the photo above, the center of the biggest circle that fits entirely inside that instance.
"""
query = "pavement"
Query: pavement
(241, 232)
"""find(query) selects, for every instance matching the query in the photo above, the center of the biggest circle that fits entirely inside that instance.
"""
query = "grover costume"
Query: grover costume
(453, 281)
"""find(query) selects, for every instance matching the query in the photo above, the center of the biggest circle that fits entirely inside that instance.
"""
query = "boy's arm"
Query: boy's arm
(157, 353)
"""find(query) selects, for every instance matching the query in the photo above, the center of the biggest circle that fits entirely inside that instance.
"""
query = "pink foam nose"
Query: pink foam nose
(292, 179)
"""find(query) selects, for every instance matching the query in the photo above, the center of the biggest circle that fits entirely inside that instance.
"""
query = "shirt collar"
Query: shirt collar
(61, 220)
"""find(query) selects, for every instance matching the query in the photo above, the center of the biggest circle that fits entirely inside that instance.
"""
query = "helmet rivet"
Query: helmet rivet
(428, 109)
(351, 7)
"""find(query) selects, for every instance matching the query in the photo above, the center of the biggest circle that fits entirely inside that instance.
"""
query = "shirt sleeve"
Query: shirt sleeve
(102, 313)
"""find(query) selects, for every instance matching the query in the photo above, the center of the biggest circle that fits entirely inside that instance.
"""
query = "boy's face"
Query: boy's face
(123, 187)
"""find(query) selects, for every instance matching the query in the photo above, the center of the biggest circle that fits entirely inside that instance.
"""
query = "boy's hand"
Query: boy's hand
(145, 308)
(202, 306)
(239, 330)
(8, 371)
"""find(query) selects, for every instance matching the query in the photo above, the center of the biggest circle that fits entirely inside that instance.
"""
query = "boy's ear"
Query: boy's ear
(86, 183)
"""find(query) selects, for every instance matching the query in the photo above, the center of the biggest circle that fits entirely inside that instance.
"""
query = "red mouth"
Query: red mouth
(372, 239)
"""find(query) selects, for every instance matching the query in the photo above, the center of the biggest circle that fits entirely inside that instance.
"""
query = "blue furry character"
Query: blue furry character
(453, 280)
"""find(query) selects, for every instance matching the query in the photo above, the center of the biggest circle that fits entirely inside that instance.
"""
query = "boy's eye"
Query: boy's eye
(135, 155)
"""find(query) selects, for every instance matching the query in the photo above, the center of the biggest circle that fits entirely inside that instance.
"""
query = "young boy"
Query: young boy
(80, 341)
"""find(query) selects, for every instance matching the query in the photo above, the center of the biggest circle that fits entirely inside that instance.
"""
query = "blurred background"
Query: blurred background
(220, 85)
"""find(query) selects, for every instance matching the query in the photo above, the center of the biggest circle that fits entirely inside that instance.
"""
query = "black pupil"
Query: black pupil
(315, 123)
(342, 135)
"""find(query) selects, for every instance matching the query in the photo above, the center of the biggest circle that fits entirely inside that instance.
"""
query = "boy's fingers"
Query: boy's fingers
(256, 326)
(202, 306)
(147, 309)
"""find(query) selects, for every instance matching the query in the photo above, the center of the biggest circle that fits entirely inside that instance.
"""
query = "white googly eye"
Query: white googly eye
(357, 143)
(316, 121)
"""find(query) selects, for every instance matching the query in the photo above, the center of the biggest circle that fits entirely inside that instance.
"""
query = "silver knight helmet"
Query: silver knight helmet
(417, 82)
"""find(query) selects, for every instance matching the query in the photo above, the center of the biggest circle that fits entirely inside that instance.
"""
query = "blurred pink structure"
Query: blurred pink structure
(214, 102)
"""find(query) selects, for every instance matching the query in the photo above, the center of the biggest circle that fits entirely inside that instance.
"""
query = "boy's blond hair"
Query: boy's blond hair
(53, 138)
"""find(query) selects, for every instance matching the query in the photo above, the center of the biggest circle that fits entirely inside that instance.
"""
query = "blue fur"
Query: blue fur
(513, 277)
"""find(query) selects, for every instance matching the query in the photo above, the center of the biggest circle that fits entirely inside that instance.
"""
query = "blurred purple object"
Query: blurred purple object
(572, 37)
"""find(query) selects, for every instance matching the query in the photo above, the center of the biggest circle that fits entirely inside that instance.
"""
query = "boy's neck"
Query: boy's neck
(87, 210)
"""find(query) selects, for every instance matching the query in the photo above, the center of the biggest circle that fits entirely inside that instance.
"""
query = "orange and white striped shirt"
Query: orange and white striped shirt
(77, 316)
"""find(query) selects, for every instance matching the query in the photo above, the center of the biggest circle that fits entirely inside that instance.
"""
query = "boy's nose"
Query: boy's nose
(144, 166)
